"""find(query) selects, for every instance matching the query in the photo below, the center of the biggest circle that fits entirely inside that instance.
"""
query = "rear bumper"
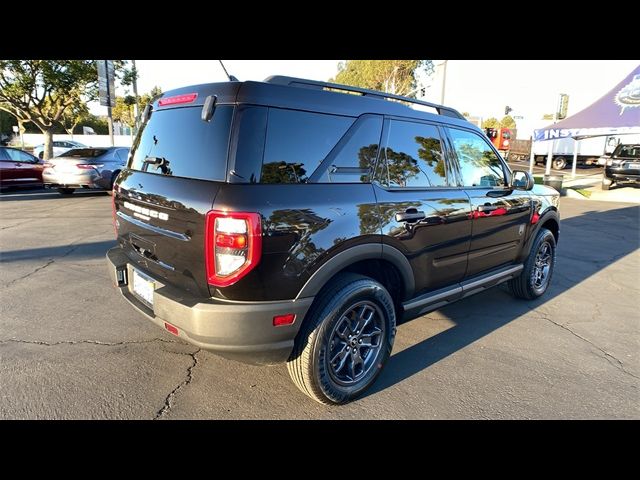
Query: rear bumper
(91, 179)
(242, 331)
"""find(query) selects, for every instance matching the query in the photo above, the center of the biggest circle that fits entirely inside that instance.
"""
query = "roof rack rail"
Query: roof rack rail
(301, 82)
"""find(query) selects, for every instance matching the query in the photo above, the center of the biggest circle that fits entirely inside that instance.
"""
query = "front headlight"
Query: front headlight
(613, 163)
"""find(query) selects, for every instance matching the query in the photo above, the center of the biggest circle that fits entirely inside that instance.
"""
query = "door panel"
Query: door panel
(436, 243)
(26, 169)
(499, 228)
(499, 215)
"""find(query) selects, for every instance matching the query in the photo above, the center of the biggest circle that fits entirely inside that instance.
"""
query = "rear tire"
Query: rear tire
(113, 180)
(66, 191)
(345, 340)
(559, 163)
(535, 278)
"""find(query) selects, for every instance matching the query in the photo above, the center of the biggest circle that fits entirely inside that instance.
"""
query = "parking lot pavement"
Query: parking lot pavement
(70, 347)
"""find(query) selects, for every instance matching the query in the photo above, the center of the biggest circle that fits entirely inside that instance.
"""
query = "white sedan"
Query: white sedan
(59, 147)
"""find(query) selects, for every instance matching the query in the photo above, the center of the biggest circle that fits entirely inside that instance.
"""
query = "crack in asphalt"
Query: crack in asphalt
(41, 267)
(13, 226)
(74, 246)
(616, 363)
(77, 342)
(168, 401)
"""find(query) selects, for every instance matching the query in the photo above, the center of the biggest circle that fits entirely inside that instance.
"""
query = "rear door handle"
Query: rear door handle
(410, 215)
(487, 208)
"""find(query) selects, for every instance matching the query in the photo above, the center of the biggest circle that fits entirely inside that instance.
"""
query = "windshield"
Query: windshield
(627, 151)
(85, 152)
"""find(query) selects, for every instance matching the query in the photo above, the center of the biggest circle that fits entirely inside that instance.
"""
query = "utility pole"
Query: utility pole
(107, 91)
(135, 94)
(444, 80)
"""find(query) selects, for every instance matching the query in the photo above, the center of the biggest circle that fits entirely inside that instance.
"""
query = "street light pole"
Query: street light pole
(444, 80)
(135, 93)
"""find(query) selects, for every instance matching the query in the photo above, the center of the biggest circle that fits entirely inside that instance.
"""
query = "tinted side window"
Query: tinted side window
(3, 154)
(251, 124)
(19, 156)
(122, 154)
(297, 142)
(355, 156)
(177, 142)
(479, 165)
(413, 156)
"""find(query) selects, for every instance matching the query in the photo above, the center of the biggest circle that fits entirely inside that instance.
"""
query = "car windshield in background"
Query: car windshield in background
(628, 151)
(85, 152)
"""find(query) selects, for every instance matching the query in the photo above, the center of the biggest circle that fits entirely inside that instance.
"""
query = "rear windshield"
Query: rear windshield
(177, 142)
(85, 152)
(627, 151)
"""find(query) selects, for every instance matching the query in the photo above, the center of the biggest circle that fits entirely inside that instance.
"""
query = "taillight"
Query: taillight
(233, 246)
(87, 166)
(113, 208)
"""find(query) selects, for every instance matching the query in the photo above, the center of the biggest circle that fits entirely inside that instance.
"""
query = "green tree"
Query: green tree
(491, 123)
(73, 115)
(507, 122)
(41, 90)
(389, 76)
(123, 111)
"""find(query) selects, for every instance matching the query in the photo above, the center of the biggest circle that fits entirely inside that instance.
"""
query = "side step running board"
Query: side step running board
(438, 298)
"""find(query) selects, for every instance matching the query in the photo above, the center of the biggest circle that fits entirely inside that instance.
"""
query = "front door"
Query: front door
(27, 170)
(423, 213)
(500, 216)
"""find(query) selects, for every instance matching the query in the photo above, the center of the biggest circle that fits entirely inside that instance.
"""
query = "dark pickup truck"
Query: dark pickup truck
(296, 221)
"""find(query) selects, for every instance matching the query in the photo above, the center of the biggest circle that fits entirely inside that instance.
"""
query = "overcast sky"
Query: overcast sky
(480, 87)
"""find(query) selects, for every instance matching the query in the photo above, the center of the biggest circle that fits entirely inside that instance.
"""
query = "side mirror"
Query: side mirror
(522, 180)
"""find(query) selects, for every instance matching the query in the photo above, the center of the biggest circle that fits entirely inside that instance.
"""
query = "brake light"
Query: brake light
(87, 166)
(113, 209)
(175, 100)
(233, 246)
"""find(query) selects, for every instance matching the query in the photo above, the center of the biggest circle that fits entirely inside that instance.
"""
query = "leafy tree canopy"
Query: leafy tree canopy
(389, 76)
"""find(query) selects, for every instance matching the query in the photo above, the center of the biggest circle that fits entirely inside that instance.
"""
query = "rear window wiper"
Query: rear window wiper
(159, 162)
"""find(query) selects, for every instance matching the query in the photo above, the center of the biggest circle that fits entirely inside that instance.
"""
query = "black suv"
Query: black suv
(622, 166)
(289, 221)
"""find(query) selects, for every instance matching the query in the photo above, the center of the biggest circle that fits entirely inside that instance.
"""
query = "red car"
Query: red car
(19, 169)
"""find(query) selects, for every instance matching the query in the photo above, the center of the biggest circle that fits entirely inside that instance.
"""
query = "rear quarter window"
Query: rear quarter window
(187, 146)
(297, 142)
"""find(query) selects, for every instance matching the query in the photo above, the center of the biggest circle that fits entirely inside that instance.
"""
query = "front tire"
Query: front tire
(535, 278)
(345, 340)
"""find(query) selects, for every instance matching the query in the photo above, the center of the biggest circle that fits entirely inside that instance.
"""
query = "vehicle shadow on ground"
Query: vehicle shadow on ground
(578, 258)
(49, 195)
(83, 251)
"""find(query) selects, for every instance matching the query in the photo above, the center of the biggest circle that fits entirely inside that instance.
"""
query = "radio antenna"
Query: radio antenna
(230, 77)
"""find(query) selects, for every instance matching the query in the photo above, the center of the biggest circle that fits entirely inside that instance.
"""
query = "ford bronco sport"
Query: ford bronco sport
(287, 221)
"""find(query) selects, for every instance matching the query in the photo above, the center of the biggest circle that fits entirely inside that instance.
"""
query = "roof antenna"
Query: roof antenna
(230, 77)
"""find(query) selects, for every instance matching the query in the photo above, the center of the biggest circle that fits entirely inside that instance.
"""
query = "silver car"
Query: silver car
(92, 167)
(59, 147)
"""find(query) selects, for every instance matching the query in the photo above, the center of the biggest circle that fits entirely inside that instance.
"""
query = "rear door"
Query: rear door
(161, 198)
(500, 216)
(423, 212)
